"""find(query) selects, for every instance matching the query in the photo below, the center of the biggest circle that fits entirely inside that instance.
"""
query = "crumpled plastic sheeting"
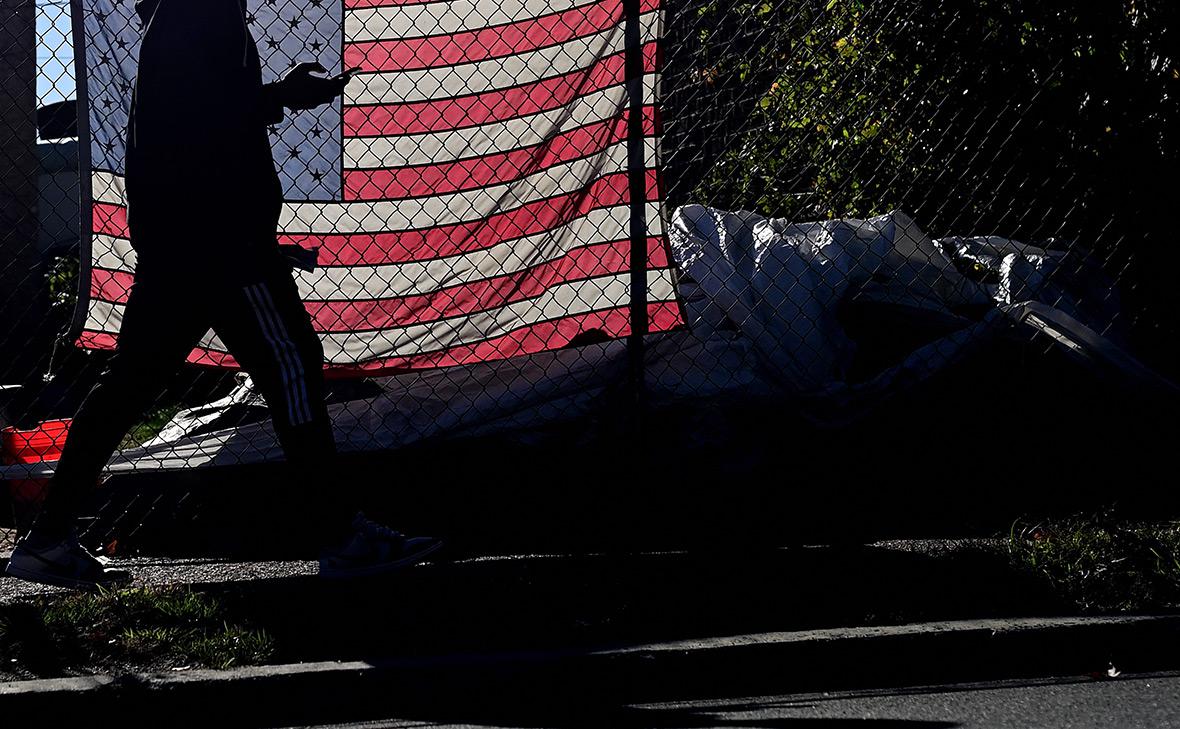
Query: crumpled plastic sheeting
(1054, 277)
(781, 283)
(486, 398)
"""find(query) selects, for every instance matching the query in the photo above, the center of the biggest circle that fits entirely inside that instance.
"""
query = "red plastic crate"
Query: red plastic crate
(43, 443)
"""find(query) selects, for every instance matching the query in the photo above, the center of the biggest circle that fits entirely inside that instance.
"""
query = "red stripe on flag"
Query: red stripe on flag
(108, 285)
(351, 315)
(109, 219)
(487, 43)
(97, 340)
(459, 238)
(662, 316)
(492, 169)
(490, 106)
(221, 360)
(200, 356)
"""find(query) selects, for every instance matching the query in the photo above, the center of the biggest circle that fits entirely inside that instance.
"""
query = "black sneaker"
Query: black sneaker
(64, 563)
(374, 549)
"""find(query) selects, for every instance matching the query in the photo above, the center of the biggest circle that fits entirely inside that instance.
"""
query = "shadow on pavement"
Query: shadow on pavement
(595, 601)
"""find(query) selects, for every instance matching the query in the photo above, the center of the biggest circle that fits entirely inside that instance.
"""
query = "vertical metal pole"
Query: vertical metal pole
(22, 298)
(637, 179)
(85, 181)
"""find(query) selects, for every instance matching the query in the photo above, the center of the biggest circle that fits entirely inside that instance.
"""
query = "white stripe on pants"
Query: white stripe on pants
(285, 353)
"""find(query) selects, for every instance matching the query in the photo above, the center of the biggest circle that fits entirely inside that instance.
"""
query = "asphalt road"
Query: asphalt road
(1140, 702)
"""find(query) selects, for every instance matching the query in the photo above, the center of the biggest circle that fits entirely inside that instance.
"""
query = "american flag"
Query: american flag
(468, 195)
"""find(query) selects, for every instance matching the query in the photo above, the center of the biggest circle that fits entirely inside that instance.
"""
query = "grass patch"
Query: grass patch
(224, 648)
(125, 630)
(1103, 564)
(149, 428)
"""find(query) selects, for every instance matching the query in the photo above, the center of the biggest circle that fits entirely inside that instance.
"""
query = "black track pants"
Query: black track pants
(264, 326)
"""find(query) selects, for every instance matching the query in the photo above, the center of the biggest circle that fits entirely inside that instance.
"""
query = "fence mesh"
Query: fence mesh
(539, 219)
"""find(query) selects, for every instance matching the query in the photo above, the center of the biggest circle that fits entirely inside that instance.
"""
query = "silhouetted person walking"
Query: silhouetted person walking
(198, 133)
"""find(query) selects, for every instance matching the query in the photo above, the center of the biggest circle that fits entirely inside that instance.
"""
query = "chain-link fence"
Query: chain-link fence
(561, 221)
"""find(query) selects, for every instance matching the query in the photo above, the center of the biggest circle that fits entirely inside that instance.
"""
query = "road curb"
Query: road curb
(829, 659)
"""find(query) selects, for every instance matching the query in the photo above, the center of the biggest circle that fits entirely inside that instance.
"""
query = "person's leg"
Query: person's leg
(158, 330)
(265, 326)
(269, 332)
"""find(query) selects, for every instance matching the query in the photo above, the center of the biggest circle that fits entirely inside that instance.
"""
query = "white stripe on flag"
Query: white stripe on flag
(108, 188)
(115, 254)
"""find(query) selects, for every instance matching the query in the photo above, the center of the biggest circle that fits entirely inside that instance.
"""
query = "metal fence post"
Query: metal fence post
(637, 183)
(85, 192)
(21, 300)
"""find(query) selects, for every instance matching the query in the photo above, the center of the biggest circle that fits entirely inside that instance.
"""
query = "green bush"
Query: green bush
(857, 107)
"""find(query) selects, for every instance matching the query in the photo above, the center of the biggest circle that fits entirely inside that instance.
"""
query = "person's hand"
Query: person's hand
(298, 89)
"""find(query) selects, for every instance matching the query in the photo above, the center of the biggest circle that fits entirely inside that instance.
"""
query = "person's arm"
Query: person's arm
(298, 89)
